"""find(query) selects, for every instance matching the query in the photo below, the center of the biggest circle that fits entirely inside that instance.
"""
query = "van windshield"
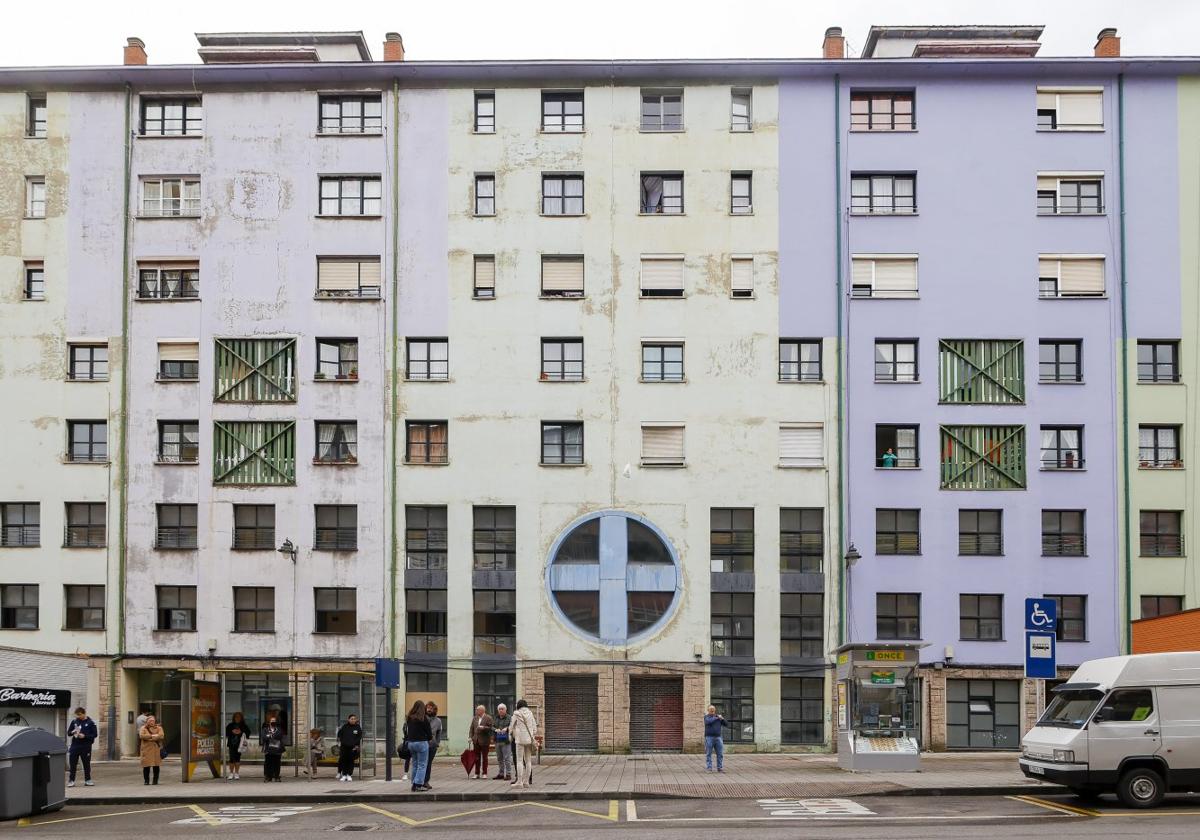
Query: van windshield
(1071, 709)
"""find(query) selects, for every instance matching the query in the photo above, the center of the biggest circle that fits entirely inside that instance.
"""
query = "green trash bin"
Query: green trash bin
(32, 772)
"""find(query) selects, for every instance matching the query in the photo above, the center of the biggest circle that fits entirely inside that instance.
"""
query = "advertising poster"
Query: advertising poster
(206, 698)
(279, 708)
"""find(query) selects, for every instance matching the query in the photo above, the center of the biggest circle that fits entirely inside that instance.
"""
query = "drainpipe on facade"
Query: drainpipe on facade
(391, 337)
(1126, 501)
(841, 477)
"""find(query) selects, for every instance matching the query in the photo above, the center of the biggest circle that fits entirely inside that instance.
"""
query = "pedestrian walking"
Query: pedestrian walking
(504, 751)
(419, 734)
(349, 739)
(316, 750)
(524, 733)
(270, 739)
(714, 742)
(150, 740)
(82, 733)
(479, 739)
(237, 740)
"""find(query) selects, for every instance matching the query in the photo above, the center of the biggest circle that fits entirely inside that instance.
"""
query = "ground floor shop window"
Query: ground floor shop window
(802, 710)
(243, 693)
(492, 689)
(337, 696)
(734, 699)
(983, 714)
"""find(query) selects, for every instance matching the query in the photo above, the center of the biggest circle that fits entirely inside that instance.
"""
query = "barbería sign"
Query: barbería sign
(44, 698)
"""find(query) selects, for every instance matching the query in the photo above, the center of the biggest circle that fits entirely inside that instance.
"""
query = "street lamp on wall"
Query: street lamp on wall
(852, 556)
(289, 549)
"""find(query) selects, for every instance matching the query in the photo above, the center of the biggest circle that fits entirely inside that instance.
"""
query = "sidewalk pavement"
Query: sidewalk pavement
(746, 776)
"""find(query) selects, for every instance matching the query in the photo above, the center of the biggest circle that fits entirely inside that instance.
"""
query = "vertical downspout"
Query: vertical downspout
(837, 205)
(391, 338)
(1126, 501)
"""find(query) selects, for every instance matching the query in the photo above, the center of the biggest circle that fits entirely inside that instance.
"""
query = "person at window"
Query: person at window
(316, 750)
(888, 459)
(237, 739)
(714, 742)
(525, 737)
(419, 734)
(82, 733)
(270, 739)
(479, 738)
(150, 738)
(349, 739)
(504, 754)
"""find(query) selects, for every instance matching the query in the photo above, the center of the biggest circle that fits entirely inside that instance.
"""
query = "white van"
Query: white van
(1126, 724)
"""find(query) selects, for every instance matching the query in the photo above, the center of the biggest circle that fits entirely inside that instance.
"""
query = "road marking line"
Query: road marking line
(860, 818)
(1158, 813)
(26, 822)
(630, 811)
(469, 813)
(1056, 806)
(611, 815)
(204, 815)
(397, 817)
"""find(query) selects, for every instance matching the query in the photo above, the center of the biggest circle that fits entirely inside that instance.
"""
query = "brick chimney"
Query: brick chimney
(835, 44)
(135, 51)
(1108, 45)
(393, 47)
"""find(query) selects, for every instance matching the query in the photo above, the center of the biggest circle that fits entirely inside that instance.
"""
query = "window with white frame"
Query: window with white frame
(1070, 194)
(883, 194)
(661, 275)
(484, 277)
(741, 277)
(562, 195)
(170, 197)
(35, 197)
(353, 114)
(351, 195)
(168, 281)
(179, 116)
(801, 445)
(662, 444)
(1070, 109)
(883, 275)
(741, 117)
(562, 276)
(741, 193)
(349, 277)
(1062, 276)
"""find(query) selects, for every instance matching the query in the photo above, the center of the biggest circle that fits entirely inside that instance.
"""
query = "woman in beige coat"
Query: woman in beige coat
(524, 733)
(151, 738)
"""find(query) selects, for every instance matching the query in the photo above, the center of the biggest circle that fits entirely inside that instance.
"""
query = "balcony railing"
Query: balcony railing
(805, 648)
(169, 538)
(979, 544)
(13, 536)
(255, 539)
(84, 536)
(905, 543)
(1161, 545)
(1063, 545)
(733, 647)
(361, 293)
(496, 644)
(419, 643)
(335, 539)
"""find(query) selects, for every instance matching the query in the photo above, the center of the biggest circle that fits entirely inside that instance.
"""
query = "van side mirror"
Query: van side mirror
(1102, 716)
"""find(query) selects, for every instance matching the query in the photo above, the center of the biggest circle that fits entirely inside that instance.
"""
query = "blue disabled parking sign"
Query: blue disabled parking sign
(1041, 614)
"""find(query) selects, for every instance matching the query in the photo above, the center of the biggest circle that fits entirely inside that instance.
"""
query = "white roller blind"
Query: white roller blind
(485, 273)
(660, 273)
(801, 446)
(371, 272)
(662, 444)
(562, 274)
(1047, 100)
(1081, 277)
(895, 278)
(1078, 110)
(1047, 268)
(340, 275)
(1047, 183)
(862, 273)
(742, 275)
(178, 352)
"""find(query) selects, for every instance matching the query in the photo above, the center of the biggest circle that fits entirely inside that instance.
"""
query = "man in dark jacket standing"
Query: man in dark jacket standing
(82, 733)
(713, 739)
(349, 739)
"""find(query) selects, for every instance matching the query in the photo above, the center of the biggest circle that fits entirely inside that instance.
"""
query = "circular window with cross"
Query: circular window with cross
(613, 577)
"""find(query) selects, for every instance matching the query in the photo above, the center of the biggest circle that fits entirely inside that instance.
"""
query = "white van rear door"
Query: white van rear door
(1125, 725)
(1179, 721)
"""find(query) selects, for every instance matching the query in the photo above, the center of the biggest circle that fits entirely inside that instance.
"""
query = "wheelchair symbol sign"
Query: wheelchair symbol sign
(1041, 613)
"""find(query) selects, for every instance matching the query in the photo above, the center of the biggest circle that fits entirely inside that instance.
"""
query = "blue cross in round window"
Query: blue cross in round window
(613, 576)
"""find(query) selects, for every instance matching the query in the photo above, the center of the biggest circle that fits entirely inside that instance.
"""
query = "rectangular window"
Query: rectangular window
(87, 441)
(349, 277)
(495, 538)
(35, 198)
(883, 194)
(662, 193)
(980, 533)
(801, 445)
(492, 689)
(1070, 277)
(354, 195)
(741, 109)
(176, 527)
(351, 114)
(484, 282)
(732, 624)
(1060, 361)
(1069, 195)
(801, 624)
(731, 539)
(20, 524)
(897, 531)
(880, 110)
(562, 359)
(662, 110)
(178, 441)
(562, 443)
(254, 370)
(981, 371)
(178, 361)
(662, 445)
(1072, 617)
(1158, 447)
(18, 606)
(254, 527)
(800, 360)
(176, 608)
(425, 620)
(428, 359)
(84, 607)
(897, 615)
(35, 119)
(741, 193)
(337, 442)
(734, 699)
(86, 525)
(336, 528)
(425, 537)
(1063, 533)
(1155, 605)
(562, 195)
(801, 539)
(495, 621)
(1062, 447)
(254, 453)
(802, 710)
(170, 197)
(562, 276)
(1070, 109)
(88, 362)
(896, 447)
(662, 362)
(562, 111)
(168, 281)
(981, 618)
(983, 457)
(35, 281)
(485, 195)
(741, 277)
(426, 442)
(1161, 533)
(337, 610)
(175, 117)
(1158, 361)
(253, 609)
(337, 358)
(892, 276)
(661, 276)
(896, 360)
(983, 714)
(485, 112)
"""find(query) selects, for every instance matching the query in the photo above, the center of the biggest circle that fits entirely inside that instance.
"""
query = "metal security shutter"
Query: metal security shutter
(662, 444)
(562, 274)
(801, 446)
(1084, 278)
(656, 714)
(572, 714)
(662, 274)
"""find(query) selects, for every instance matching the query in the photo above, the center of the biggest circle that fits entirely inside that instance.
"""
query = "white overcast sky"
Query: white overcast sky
(50, 32)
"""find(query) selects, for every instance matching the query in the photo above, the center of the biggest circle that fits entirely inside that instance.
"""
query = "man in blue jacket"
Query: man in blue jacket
(81, 732)
(713, 742)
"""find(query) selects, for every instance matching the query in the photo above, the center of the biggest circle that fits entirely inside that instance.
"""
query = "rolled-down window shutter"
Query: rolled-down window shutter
(1047, 268)
(1047, 100)
(485, 272)
(741, 275)
(862, 275)
(662, 444)
(1047, 184)
(339, 275)
(801, 446)
(1080, 110)
(895, 278)
(370, 272)
(1081, 277)
(562, 274)
(662, 274)
(178, 352)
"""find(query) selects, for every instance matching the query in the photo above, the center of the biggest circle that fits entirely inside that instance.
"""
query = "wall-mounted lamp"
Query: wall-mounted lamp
(288, 549)
(852, 555)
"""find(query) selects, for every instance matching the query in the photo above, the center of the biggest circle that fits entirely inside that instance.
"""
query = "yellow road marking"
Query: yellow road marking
(26, 822)
(1057, 806)
(469, 813)
(204, 815)
(394, 816)
(611, 816)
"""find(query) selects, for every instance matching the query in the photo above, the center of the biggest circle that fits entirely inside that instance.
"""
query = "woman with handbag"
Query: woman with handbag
(435, 726)
(150, 738)
(271, 742)
(417, 736)
(525, 737)
(237, 738)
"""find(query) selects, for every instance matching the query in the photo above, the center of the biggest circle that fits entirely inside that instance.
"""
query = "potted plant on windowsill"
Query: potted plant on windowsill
(319, 375)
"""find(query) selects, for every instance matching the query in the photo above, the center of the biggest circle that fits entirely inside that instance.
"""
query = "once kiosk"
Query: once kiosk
(877, 704)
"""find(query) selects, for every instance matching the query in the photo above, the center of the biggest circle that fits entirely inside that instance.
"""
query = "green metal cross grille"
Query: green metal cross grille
(254, 452)
(981, 371)
(255, 370)
(983, 457)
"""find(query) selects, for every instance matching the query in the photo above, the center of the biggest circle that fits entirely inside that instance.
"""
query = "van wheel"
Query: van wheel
(1086, 794)
(1141, 788)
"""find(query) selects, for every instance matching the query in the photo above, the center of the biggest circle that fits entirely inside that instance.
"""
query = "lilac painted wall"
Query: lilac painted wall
(424, 162)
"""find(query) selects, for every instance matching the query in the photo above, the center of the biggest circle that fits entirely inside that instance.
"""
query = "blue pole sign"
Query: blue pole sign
(1041, 614)
(387, 673)
(1040, 656)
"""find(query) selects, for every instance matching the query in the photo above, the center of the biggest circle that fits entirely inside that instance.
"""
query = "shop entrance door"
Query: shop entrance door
(572, 714)
(656, 714)
(169, 714)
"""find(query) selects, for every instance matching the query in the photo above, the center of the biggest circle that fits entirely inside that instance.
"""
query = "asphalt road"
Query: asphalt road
(893, 817)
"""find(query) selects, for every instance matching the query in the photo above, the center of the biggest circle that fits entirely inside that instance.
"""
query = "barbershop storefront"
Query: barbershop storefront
(42, 708)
